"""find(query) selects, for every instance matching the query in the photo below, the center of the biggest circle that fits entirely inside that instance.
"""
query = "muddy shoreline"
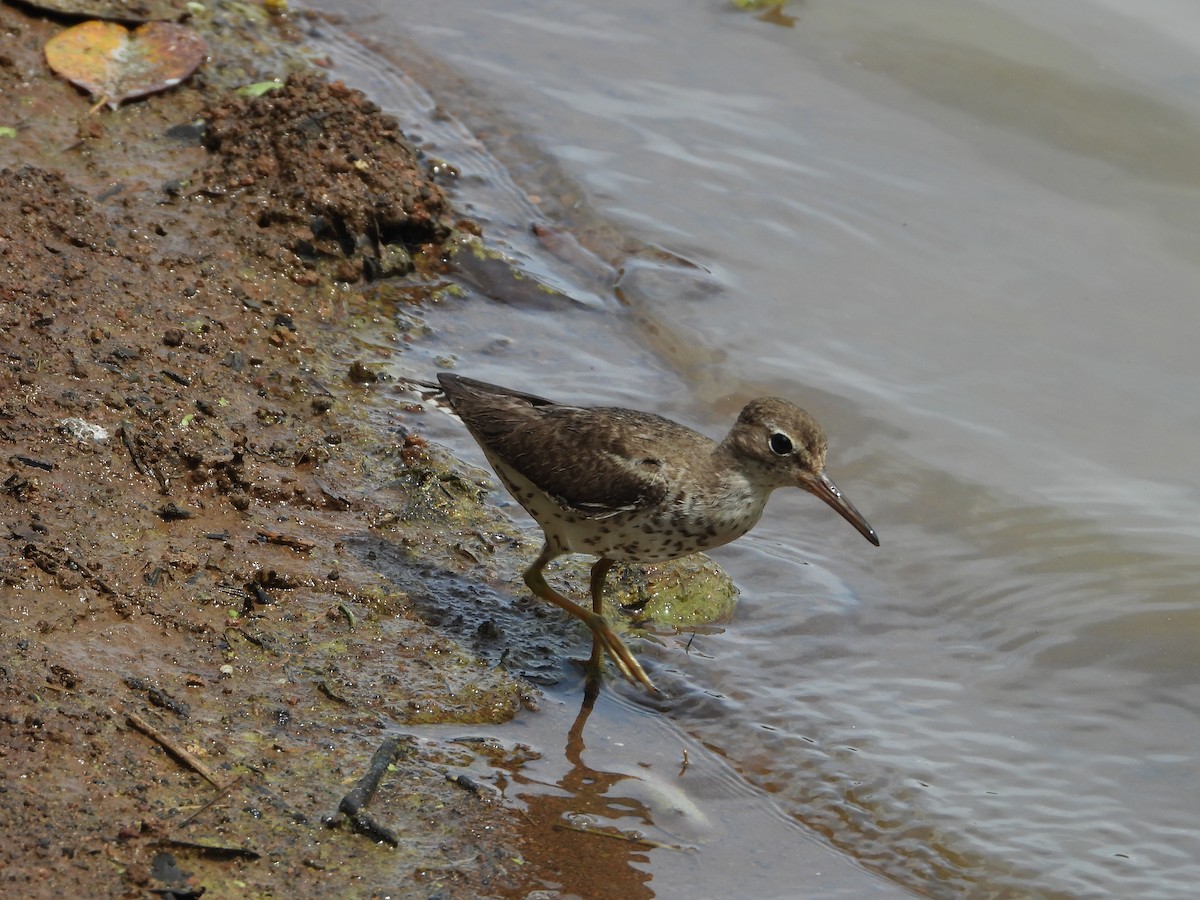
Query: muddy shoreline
(233, 571)
(198, 655)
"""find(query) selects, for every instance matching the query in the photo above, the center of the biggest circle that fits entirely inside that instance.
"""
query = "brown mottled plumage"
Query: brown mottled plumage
(635, 487)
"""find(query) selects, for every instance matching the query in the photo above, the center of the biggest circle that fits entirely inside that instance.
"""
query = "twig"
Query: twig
(618, 836)
(362, 822)
(182, 755)
(48, 559)
(217, 850)
(275, 537)
(362, 792)
(127, 440)
(213, 802)
(34, 463)
(351, 809)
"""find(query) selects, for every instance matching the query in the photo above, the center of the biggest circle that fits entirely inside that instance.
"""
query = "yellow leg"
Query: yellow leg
(603, 637)
(599, 572)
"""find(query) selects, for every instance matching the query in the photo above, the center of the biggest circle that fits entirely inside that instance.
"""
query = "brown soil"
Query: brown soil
(198, 656)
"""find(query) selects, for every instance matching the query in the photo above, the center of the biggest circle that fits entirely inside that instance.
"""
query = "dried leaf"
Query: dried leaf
(113, 64)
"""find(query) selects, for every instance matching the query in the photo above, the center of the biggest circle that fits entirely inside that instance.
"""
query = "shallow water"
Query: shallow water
(963, 235)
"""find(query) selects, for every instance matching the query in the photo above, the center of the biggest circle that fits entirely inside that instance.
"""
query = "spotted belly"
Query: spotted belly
(679, 527)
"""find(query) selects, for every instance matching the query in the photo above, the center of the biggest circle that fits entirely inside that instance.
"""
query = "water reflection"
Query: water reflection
(581, 835)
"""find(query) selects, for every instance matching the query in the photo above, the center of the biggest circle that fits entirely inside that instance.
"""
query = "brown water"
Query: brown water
(964, 236)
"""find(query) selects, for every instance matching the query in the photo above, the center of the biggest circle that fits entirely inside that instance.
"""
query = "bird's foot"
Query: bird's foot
(605, 640)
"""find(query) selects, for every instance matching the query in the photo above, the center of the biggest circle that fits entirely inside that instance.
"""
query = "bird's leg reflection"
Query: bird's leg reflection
(573, 837)
(575, 745)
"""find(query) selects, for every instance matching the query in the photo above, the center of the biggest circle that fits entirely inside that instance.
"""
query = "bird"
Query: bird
(635, 487)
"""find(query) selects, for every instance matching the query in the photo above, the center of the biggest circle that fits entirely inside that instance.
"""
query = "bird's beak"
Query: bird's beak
(824, 488)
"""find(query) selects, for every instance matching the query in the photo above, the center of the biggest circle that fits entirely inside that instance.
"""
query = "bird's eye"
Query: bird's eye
(781, 444)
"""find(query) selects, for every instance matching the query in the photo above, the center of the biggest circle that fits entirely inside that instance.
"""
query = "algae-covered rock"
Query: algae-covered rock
(683, 594)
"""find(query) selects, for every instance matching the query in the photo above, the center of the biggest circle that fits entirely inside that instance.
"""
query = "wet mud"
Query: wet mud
(196, 663)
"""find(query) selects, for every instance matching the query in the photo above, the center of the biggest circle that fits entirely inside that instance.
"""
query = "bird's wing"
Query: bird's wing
(588, 461)
(598, 461)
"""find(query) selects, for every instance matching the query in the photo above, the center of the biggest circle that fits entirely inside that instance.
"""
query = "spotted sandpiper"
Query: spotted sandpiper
(630, 486)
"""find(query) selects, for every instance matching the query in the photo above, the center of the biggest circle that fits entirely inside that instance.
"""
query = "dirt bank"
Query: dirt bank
(197, 656)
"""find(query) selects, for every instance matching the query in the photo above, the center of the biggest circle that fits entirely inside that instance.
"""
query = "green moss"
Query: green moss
(683, 594)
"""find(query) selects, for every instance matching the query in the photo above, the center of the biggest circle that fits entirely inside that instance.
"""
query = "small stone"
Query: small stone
(362, 374)
(173, 512)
